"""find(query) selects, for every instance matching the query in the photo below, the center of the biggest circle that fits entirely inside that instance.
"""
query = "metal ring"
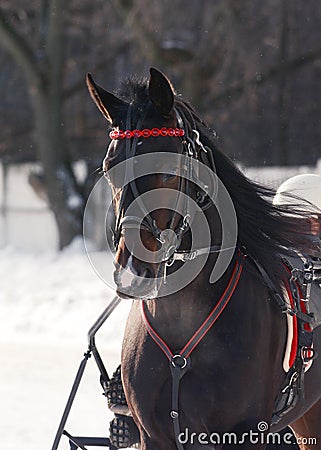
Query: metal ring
(179, 356)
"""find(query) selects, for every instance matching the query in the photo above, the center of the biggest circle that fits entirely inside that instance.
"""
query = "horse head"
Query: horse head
(148, 165)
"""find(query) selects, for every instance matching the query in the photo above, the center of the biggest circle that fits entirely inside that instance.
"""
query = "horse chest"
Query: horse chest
(210, 390)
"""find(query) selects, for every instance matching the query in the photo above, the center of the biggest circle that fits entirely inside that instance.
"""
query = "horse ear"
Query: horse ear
(108, 104)
(161, 92)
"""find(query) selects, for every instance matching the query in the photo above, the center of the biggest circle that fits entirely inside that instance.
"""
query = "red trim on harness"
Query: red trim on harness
(294, 345)
(206, 325)
(219, 308)
(306, 326)
(159, 341)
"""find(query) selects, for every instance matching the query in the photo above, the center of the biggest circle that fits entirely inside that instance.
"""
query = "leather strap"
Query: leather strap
(180, 361)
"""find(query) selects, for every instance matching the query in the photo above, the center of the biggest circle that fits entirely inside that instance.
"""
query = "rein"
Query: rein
(180, 361)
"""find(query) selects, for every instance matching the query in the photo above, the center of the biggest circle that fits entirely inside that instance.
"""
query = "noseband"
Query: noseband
(170, 238)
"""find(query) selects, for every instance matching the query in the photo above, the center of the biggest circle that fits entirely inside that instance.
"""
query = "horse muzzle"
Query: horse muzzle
(132, 284)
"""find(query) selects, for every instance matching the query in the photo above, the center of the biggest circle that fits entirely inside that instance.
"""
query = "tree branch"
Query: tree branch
(21, 51)
(238, 88)
(56, 37)
(131, 15)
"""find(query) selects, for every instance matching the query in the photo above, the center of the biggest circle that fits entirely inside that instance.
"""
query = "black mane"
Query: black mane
(266, 232)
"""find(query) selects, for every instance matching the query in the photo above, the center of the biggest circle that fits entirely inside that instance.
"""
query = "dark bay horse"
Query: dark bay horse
(224, 325)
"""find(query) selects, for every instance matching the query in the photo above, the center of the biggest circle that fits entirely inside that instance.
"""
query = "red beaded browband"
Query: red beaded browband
(146, 133)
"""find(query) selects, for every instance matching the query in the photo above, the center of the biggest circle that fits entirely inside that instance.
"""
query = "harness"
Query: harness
(123, 430)
(180, 361)
(298, 291)
(304, 276)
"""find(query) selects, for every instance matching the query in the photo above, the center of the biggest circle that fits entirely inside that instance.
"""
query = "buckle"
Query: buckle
(307, 354)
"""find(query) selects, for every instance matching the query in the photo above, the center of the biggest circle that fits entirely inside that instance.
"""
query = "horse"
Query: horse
(202, 359)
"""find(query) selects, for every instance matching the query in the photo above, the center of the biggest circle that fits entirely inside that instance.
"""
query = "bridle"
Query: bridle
(192, 147)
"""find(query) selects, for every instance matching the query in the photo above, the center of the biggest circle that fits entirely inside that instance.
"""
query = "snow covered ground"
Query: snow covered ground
(48, 302)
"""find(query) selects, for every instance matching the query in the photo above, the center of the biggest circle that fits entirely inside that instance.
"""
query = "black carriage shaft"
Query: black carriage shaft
(92, 349)
(79, 442)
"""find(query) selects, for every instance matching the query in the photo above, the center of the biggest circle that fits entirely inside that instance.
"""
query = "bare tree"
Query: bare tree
(240, 64)
(43, 65)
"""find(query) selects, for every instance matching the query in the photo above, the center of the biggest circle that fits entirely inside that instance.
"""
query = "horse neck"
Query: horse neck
(177, 316)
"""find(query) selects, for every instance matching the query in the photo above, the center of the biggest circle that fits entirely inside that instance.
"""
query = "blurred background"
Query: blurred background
(252, 70)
